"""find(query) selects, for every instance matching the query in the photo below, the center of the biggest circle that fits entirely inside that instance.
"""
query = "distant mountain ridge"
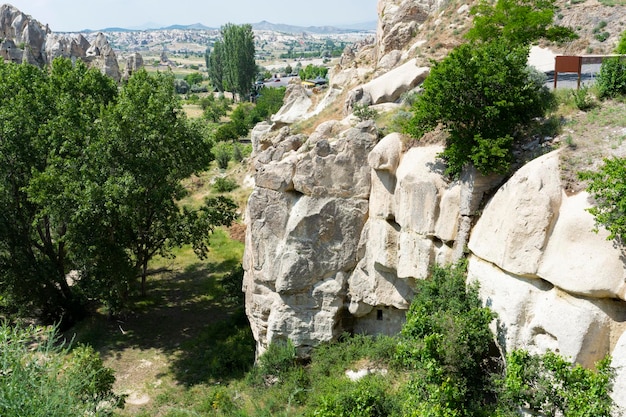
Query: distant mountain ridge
(263, 25)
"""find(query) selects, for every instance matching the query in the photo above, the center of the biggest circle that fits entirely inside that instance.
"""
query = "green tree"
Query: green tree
(607, 185)
(41, 157)
(313, 71)
(148, 146)
(89, 183)
(447, 343)
(480, 94)
(215, 65)
(268, 102)
(193, 78)
(232, 65)
(214, 108)
(517, 21)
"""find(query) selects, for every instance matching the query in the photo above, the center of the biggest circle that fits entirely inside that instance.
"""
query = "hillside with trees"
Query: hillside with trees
(118, 226)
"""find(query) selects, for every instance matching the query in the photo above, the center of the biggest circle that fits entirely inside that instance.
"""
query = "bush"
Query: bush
(222, 152)
(608, 188)
(611, 81)
(41, 377)
(550, 385)
(224, 185)
(447, 343)
(370, 396)
(279, 358)
(364, 112)
(582, 98)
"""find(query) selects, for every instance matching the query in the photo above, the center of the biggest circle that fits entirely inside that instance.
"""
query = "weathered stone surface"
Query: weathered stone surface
(575, 257)
(25, 40)
(418, 191)
(103, 57)
(386, 154)
(391, 85)
(514, 227)
(397, 23)
(297, 103)
(338, 167)
(536, 316)
(618, 362)
(133, 63)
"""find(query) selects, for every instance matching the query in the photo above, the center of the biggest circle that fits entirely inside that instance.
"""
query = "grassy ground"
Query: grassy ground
(155, 350)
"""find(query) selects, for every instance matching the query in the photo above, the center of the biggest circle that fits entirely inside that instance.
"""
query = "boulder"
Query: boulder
(398, 21)
(575, 256)
(297, 103)
(536, 316)
(338, 167)
(391, 85)
(514, 227)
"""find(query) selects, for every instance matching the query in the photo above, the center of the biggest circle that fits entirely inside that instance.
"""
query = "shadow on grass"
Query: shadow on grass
(190, 316)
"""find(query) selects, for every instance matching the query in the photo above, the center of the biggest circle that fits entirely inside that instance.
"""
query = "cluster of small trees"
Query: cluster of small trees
(90, 176)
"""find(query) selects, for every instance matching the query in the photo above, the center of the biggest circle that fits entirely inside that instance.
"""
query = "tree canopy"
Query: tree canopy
(479, 94)
(518, 21)
(89, 182)
(231, 63)
(482, 92)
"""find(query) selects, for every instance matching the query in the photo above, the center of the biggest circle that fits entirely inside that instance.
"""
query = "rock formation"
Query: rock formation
(342, 223)
(25, 40)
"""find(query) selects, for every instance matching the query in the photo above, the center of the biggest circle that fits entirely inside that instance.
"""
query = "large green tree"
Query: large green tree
(47, 120)
(480, 93)
(231, 63)
(89, 182)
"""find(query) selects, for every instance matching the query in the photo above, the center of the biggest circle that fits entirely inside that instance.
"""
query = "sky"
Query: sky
(77, 15)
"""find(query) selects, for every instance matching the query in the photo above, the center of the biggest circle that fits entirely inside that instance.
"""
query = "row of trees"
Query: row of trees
(231, 63)
(89, 182)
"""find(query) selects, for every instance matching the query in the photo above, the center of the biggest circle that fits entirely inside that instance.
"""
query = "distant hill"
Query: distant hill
(264, 25)
(280, 27)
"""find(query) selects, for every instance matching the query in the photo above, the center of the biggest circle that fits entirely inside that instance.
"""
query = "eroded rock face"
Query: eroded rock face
(304, 224)
(25, 40)
(554, 282)
(339, 229)
(398, 22)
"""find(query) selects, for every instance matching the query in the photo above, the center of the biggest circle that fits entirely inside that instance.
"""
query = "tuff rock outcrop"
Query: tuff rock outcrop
(342, 223)
(25, 40)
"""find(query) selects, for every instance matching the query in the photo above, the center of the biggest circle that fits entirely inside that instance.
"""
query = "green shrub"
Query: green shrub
(480, 94)
(42, 377)
(370, 396)
(550, 385)
(364, 112)
(279, 358)
(611, 81)
(582, 98)
(224, 184)
(607, 186)
(447, 343)
(222, 152)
